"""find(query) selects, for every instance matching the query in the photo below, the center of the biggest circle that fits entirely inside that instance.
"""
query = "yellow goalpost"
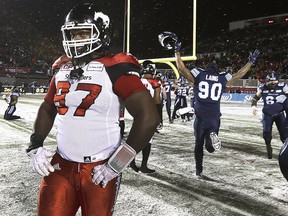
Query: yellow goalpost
(168, 60)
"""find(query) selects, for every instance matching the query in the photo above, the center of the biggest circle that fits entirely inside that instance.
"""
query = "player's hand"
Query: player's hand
(177, 46)
(253, 56)
(103, 174)
(281, 98)
(40, 161)
(254, 110)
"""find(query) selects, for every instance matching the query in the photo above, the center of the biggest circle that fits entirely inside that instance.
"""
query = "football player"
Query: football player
(153, 85)
(168, 84)
(181, 92)
(12, 100)
(270, 92)
(283, 159)
(209, 84)
(86, 94)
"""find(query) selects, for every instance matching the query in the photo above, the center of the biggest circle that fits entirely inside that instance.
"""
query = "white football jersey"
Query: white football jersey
(88, 108)
(148, 85)
(88, 114)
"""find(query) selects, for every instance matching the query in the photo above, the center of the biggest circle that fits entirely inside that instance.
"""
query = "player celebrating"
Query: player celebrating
(209, 84)
(87, 93)
(270, 91)
(12, 100)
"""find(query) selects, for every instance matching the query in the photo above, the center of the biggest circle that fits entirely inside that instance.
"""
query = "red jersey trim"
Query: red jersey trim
(127, 85)
(154, 82)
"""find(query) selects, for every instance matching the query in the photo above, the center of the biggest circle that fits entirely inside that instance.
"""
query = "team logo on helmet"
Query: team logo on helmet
(90, 18)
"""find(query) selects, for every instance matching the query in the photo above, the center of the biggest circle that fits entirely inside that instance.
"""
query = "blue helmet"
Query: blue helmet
(272, 80)
(272, 76)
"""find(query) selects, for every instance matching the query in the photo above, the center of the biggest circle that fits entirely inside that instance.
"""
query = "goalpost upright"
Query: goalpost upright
(168, 60)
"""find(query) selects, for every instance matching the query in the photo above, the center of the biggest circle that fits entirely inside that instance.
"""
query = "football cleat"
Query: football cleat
(134, 167)
(216, 143)
(160, 126)
(146, 170)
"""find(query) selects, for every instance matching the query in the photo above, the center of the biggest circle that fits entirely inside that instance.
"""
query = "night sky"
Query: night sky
(149, 17)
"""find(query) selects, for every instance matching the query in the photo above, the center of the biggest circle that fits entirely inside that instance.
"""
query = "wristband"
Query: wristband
(122, 157)
(36, 141)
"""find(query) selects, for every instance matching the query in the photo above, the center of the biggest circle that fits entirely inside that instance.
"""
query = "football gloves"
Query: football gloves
(103, 174)
(254, 110)
(177, 46)
(40, 161)
(253, 56)
(281, 98)
(120, 159)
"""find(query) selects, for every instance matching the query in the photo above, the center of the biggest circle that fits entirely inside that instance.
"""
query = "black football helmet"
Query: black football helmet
(85, 16)
(167, 40)
(148, 67)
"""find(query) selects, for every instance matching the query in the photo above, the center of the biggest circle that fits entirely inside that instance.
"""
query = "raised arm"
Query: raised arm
(251, 61)
(180, 64)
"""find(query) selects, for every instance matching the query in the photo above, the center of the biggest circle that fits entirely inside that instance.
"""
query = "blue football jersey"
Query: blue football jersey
(208, 89)
(269, 95)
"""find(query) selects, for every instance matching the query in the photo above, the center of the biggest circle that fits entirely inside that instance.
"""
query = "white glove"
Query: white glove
(254, 110)
(281, 98)
(4, 97)
(103, 173)
(118, 161)
(40, 161)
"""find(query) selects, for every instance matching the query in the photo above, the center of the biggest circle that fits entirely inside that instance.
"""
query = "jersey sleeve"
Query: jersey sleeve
(121, 64)
(127, 85)
(59, 62)
(155, 83)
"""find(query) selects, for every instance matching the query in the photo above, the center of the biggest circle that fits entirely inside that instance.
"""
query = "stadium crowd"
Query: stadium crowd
(21, 45)
(230, 47)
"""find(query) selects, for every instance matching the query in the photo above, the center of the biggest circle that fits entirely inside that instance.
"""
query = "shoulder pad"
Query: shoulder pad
(59, 62)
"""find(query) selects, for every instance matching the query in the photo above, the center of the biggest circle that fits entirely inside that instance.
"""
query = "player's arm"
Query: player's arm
(145, 119)
(14, 99)
(254, 101)
(252, 58)
(45, 119)
(164, 93)
(141, 106)
(180, 64)
(39, 156)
